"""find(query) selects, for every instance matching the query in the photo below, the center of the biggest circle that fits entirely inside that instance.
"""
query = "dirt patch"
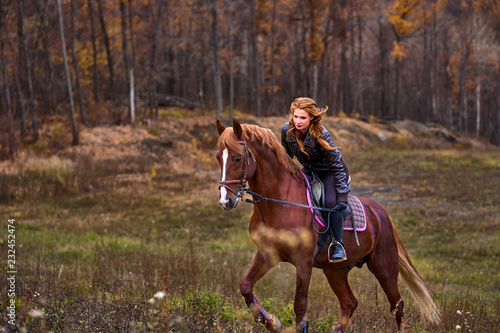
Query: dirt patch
(174, 144)
(387, 195)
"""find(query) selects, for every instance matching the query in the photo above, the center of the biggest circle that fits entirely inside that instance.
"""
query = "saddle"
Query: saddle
(317, 190)
(355, 219)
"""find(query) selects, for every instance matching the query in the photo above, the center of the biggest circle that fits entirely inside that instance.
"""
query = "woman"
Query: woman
(305, 137)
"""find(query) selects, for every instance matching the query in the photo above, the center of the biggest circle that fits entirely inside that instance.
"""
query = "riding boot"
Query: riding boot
(337, 231)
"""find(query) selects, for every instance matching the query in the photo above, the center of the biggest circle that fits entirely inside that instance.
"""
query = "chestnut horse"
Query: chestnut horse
(283, 233)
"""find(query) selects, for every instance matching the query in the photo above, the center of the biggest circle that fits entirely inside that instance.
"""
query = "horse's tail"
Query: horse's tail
(419, 289)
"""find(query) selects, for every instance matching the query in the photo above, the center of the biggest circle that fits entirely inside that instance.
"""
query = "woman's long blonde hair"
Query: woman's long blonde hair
(315, 128)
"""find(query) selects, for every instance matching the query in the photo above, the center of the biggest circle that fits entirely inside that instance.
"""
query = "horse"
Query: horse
(250, 155)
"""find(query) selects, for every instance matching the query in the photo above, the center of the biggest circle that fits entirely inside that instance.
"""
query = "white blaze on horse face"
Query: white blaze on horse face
(223, 190)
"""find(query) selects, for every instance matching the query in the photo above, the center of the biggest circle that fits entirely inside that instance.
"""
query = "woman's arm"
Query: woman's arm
(333, 159)
(283, 140)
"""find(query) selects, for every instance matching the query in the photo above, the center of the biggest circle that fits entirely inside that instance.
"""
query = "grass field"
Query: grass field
(153, 252)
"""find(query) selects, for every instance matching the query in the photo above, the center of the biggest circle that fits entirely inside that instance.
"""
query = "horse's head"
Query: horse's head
(236, 162)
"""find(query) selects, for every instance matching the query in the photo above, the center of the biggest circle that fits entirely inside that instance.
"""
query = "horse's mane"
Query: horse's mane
(264, 136)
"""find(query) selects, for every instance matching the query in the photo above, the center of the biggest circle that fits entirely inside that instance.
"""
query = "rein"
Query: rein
(284, 202)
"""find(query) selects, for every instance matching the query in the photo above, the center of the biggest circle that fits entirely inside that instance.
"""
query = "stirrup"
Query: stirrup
(336, 260)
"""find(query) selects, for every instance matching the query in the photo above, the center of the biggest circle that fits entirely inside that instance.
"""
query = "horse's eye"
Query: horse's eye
(237, 160)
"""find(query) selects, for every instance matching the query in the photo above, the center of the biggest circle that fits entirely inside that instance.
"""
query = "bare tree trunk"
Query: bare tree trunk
(132, 96)
(2, 59)
(52, 84)
(478, 75)
(31, 101)
(255, 61)
(125, 55)
(332, 77)
(313, 62)
(76, 67)
(214, 39)
(107, 45)
(132, 51)
(465, 112)
(45, 29)
(132, 34)
(434, 75)
(463, 107)
(447, 109)
(395, 111)
(94, 64)
(478, 107)
(273, 50)
(249, 81)
(304, 75)
(12, 146)
(19, 90)
(358, 97)
(498, 119)
(427, 79)
(230, 49)
(353, 70)
(344, 81)
(315, 80)
(68, 77)
(461, 95)
(20, 97)
(152, 80)
(383, 106)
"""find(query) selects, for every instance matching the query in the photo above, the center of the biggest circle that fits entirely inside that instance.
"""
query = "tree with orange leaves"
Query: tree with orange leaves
(401, 14)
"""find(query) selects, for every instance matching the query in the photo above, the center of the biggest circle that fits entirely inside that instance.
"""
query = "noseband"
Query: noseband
(247, 156)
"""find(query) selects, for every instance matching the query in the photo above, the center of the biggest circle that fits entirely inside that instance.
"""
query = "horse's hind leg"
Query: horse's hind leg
(386, 270)
(348, 303)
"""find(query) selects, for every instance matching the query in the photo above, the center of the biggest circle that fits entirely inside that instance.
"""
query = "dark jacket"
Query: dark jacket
(319, 159)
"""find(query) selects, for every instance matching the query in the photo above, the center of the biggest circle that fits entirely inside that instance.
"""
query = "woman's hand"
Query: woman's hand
(340, 206)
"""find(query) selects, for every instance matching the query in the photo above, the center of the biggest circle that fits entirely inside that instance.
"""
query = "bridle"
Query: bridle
(247, 157)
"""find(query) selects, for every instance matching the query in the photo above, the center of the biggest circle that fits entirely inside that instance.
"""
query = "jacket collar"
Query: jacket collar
(309, 141)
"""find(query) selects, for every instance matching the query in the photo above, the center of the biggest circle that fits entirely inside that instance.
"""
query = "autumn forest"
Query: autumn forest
(98, 62)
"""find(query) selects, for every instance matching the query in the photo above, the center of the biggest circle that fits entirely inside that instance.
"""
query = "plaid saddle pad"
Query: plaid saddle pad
(356, 214)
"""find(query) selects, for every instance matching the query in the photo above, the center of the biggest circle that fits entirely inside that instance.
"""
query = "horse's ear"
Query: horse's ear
(238, 131)
(220, 128)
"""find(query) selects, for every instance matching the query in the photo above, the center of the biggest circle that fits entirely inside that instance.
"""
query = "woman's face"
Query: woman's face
(302, 120)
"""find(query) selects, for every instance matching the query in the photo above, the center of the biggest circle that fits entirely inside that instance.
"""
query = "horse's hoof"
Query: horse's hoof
(273, 324)
(302, 327)
(337, 329)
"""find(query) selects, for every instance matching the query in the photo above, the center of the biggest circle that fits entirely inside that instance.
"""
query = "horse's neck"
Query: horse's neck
(271, 179)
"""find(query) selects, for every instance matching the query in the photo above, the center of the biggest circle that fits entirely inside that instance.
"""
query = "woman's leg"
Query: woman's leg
(330, 193)
(336, 219)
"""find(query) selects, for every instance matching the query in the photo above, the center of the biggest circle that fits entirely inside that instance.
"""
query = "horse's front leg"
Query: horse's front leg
(259, 267)
(304, 272)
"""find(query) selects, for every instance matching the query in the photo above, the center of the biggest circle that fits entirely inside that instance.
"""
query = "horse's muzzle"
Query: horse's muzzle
(228, 203)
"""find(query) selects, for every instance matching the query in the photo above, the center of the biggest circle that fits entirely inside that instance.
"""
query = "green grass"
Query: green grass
(94, 261)
(461, 176)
